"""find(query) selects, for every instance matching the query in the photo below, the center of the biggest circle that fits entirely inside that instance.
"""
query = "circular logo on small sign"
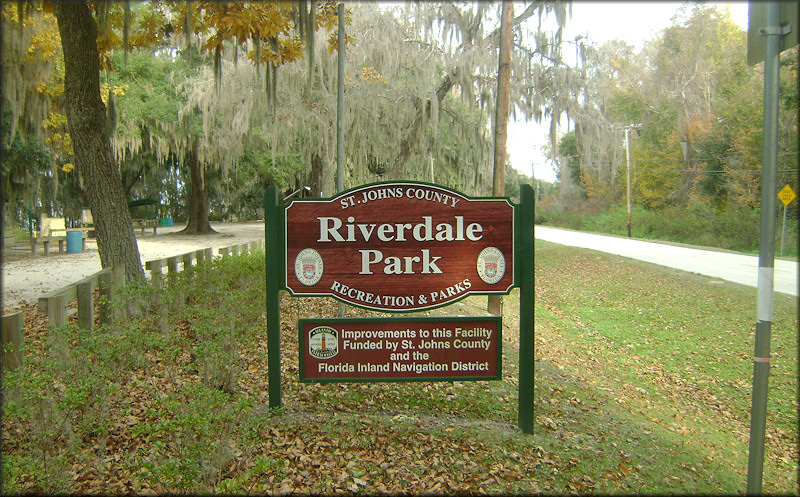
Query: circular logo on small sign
(323, 342)
(491, 265)
(308, 267)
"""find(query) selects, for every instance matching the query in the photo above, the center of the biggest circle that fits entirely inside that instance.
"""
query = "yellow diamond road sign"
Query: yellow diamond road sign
(786, 195)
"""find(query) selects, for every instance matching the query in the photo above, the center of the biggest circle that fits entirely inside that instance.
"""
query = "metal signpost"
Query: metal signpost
(401, 247)
(771, 29)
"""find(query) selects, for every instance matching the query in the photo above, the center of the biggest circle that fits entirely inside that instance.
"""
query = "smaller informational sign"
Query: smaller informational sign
(400, 349)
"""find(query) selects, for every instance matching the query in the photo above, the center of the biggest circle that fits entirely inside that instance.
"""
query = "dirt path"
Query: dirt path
(27, 277)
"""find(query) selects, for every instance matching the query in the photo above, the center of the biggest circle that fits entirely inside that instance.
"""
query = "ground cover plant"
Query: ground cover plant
(642, 386)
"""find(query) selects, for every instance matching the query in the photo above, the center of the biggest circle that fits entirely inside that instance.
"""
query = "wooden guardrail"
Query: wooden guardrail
(108, 281)
(13, 337)
(171, 263)
(241, 248)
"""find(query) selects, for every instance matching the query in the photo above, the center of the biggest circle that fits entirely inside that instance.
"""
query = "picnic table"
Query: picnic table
(144, 224)
(150, 217)
(53, 229)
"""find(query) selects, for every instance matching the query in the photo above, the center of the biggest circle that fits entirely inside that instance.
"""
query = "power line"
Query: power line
(732, 157)
(720, 171)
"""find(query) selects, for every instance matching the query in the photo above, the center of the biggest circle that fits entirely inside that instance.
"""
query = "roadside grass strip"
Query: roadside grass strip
(674, 349)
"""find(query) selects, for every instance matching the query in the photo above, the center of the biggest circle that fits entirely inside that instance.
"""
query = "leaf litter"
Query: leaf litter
(430, 437)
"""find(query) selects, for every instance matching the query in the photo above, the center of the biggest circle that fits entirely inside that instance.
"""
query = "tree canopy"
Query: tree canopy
(698, 105)
(216, 87)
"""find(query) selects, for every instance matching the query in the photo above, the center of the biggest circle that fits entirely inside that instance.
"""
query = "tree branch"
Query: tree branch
(494, 37)
(413, 131)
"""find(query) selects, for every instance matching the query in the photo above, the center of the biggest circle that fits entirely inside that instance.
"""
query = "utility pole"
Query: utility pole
(340, 105)
(628, 159)
(495, 302)
(340, 117)
(628, 182)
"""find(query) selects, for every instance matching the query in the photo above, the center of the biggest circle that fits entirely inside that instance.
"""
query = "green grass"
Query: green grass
(674, 347)
(733, 228)
(642, 386)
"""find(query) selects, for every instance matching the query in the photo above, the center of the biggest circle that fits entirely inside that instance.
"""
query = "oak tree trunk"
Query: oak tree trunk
(316, 175)
(198, 197)
(89, 130)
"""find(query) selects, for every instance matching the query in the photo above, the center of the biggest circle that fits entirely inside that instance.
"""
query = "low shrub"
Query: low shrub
(67, 404)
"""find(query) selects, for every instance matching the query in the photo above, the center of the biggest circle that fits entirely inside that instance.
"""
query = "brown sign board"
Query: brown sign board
(400, 349)
(399, 246)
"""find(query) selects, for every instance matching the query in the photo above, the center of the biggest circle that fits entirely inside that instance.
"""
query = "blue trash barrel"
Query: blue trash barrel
(74, 242)
(169, 222)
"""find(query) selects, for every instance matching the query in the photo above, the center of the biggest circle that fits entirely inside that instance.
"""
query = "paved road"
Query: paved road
(737, 268)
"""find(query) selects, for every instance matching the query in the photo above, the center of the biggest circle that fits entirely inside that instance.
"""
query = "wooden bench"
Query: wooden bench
(145, 223)
(45, 241)
(53, 229)
(87, 222)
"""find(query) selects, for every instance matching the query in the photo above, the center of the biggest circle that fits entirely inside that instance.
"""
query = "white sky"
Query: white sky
(634, 22)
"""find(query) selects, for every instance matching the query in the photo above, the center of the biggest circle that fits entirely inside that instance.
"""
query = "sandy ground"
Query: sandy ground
(27, 277)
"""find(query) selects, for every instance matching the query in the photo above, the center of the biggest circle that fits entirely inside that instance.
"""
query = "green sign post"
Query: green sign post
(401, 247)
(525, 217)
(273, 251)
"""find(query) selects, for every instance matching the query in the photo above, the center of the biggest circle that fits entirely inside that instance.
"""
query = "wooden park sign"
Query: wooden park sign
(401, 247)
